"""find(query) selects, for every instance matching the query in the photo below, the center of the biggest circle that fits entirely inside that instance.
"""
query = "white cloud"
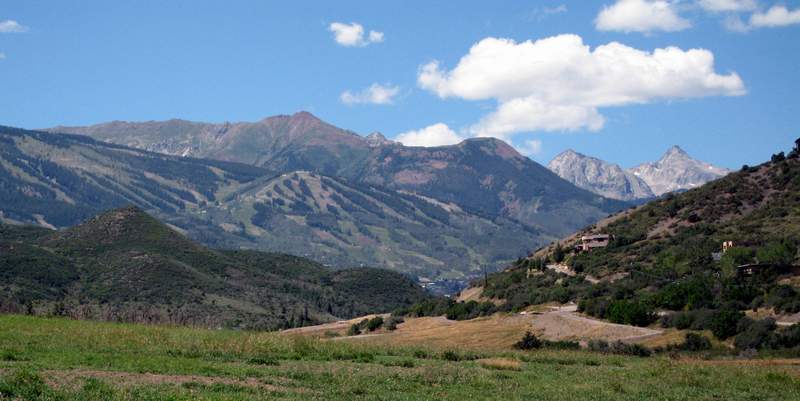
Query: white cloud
(774, 17)
(352, 35)
(728, 5)
(531, 147)
(11, 26)
(374, 94)
(641, 16)
(562, 8)
(2, 56)
(433, 135)
(559, 83)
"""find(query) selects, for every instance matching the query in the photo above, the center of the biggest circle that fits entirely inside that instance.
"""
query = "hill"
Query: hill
(483, 175)
(668, 256)
(59, 180)
(124, 265)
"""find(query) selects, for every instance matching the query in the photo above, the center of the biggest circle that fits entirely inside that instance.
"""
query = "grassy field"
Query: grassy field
(58, 359)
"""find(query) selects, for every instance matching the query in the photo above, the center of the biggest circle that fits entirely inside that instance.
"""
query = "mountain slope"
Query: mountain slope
(598, 176)
(484, 175)
(668, 255)
(125, 265)
(676, 171)
(343, 223)
(57, 180)
(489, 176)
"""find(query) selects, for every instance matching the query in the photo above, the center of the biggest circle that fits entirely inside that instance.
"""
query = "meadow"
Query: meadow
(61, 359)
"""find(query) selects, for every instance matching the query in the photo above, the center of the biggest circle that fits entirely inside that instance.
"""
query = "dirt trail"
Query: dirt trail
(567, 324)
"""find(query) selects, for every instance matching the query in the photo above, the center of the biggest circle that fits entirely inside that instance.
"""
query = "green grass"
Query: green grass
(58, 359)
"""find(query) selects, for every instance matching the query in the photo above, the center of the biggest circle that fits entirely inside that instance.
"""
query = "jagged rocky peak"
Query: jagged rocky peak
(599, 176)
(677, 171)
(376, 139)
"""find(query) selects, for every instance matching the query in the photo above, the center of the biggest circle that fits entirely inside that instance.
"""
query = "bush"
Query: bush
(354, 330)
(757, 335)
(724, 323)
(619, 347)
(391, 323)
(375, 323)
(790, 336)
(629, 312)
(695, 342)
(528, 342)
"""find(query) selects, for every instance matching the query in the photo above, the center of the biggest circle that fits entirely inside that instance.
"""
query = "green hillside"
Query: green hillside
(124, 265)
(663, 257)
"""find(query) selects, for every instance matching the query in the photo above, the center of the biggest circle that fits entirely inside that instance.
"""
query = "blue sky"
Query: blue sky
(76, 63)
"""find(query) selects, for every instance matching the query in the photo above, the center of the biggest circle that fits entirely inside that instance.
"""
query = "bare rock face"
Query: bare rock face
(599, 176)
(677, 171)
(377, 139)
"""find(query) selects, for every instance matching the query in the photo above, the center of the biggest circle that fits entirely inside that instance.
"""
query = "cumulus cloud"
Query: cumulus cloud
(641, 16)
(374, 94)
(11, 26)
(728, 5)
(559, 83)
(776, 16)
(433, 135)
(352, 35)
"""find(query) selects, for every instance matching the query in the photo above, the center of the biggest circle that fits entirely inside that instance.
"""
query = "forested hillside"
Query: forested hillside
(124, 265)
(668, 256)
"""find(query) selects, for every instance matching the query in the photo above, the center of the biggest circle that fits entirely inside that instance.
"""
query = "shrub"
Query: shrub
(528, 342)
(263, 360)
(391, 323)
(629, 312)
(354, 330)
(375, 323)
(695, 342)
(450, 355)
(790, 336)
(757, 335)
(619, 347)
(563, 344)
(724, 323)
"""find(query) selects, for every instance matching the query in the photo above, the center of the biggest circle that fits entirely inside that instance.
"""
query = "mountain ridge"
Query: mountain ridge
(599, 176)
(674, 171)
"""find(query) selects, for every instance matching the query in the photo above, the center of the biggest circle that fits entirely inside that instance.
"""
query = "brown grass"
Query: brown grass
(497, 332)
(500, 364)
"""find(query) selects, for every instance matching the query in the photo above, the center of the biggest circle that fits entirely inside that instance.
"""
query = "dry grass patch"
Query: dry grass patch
(501, 364)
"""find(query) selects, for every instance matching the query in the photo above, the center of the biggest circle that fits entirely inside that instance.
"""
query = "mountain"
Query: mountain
(676, 171)
(484, 175)
(598, 176)
(280, 143)
(124, 265)
(58, 180)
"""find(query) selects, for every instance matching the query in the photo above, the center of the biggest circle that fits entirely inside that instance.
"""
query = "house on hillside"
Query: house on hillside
(589, 242)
